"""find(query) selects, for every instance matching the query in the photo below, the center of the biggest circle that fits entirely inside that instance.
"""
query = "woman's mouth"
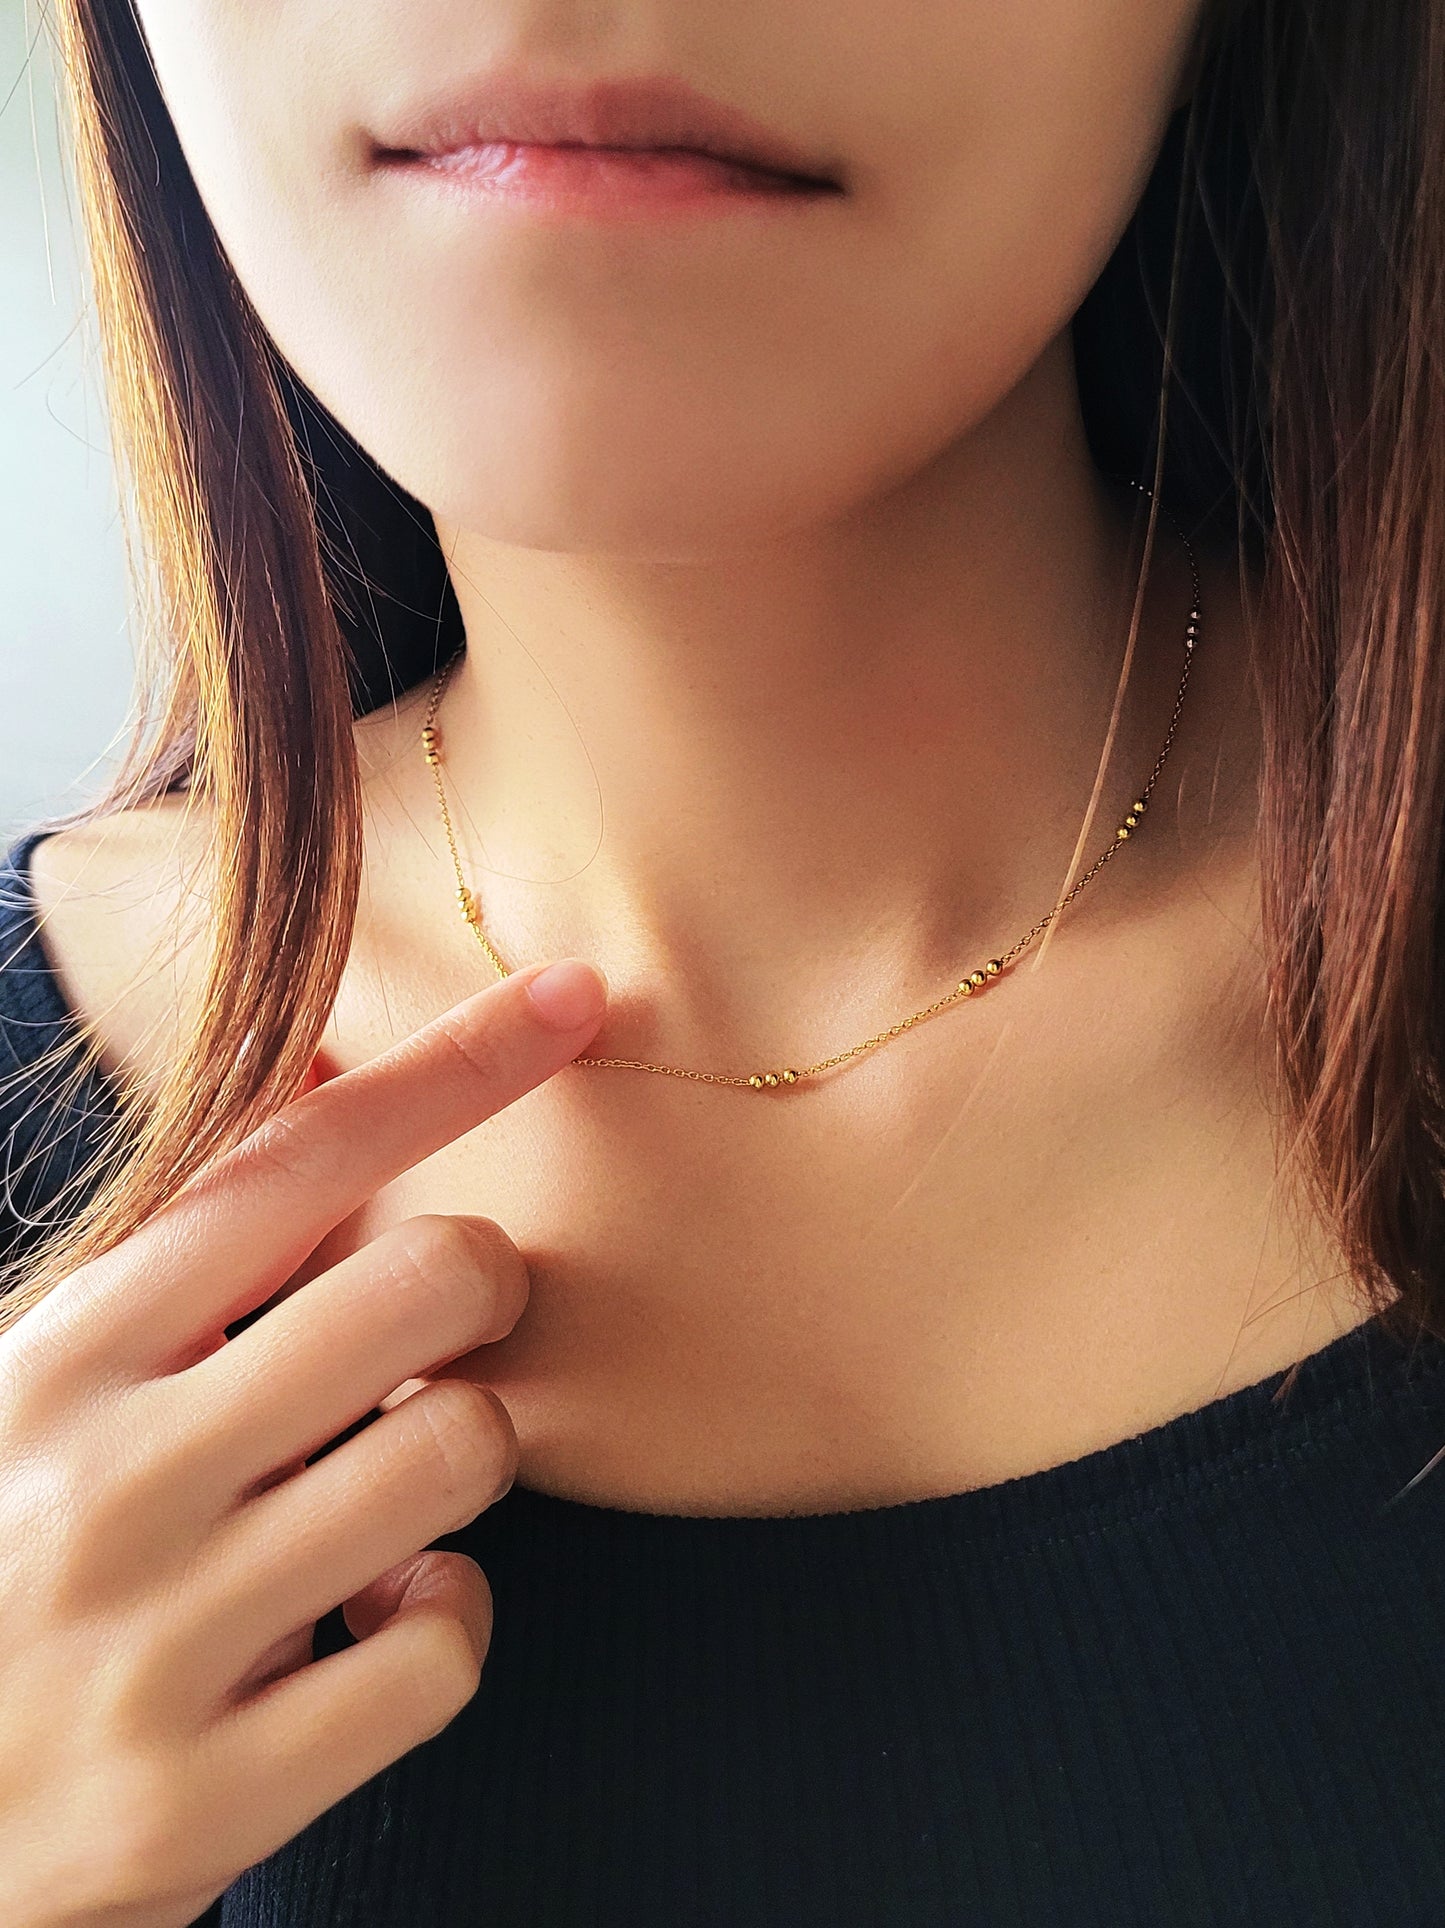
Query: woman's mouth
(606, 147)
(573, 178)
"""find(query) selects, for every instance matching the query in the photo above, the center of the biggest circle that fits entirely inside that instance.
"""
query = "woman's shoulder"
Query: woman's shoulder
(34, 1017)
(97, 927)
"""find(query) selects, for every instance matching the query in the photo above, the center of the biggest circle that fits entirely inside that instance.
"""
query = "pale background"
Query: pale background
(65, 658)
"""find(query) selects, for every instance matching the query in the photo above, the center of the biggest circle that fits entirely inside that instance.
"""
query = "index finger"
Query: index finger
(238, 1230)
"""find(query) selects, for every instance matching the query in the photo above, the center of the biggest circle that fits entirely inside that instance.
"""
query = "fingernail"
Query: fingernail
(569, 994)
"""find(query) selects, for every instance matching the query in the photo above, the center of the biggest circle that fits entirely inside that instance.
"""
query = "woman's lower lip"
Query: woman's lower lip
(602, 181)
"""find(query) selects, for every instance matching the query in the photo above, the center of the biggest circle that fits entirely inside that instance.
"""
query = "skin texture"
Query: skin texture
(801, 677)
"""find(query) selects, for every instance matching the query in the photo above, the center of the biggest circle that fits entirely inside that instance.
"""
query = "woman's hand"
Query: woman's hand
(165, 1551)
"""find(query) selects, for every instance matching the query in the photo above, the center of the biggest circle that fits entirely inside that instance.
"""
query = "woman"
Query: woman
(909, 539)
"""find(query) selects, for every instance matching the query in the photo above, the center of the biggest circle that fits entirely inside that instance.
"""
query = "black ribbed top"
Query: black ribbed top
(1194, 1679)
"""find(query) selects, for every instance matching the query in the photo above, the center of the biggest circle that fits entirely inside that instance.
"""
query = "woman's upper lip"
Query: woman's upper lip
(648, 111)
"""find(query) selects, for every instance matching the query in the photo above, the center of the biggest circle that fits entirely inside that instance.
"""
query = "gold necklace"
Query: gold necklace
(966, 987)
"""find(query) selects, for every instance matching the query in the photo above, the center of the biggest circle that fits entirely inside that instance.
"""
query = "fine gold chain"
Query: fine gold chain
(966, 986)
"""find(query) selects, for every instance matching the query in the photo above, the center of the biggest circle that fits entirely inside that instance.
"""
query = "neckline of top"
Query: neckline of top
(1362, 1374)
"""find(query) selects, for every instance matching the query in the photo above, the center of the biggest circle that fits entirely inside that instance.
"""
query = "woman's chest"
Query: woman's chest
(747, 1305)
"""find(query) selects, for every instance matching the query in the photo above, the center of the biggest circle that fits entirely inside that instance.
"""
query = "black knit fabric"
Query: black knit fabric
(1194, 1679)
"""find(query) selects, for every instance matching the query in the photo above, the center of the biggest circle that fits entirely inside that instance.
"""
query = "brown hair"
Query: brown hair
(1265, 348)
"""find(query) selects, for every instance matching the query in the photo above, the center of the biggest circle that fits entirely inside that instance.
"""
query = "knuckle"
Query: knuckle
(471, 1434)
(59, 1348)
(37, 1352)
(100, 1510)
(282, 1149)
(73, 1514)
(147, 1487)
(474, 1047)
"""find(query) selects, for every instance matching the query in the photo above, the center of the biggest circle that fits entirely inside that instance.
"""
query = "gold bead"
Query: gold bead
(966, 986)
(790, 1076)
(1138, 806)
(977, 977)
(994, 966)
(770, 1077)
(756, 1082)
(1122, 831)
(432, 758)
(1132, 821)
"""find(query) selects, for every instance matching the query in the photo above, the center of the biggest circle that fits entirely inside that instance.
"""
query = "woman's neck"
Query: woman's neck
(821, 770)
